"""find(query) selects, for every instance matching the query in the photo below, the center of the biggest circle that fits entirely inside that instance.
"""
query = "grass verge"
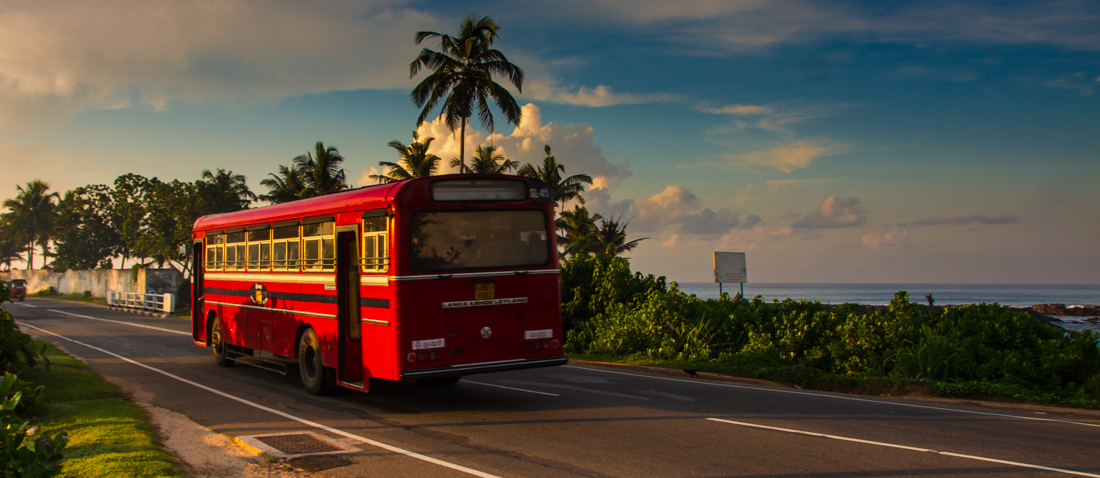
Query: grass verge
(78, 297)
(109, 436)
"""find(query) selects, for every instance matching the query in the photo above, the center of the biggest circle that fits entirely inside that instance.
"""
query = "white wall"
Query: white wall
(99, 281)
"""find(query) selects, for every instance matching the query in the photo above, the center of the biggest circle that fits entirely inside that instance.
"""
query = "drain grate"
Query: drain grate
(297, 444)
(292, 445)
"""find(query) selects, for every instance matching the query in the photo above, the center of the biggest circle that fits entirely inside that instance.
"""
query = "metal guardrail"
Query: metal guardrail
(165, 303)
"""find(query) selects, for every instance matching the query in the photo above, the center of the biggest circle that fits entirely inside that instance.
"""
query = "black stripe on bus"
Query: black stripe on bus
(320, 298)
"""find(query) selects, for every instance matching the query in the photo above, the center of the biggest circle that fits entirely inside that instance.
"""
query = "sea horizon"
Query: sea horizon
(870, 293)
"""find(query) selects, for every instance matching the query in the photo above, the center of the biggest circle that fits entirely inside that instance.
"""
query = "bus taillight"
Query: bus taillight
(425, 356)
(536, 345)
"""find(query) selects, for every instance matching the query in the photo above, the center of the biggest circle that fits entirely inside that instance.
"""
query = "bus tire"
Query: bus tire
(439, 381)
(315, 378)
(221, 356)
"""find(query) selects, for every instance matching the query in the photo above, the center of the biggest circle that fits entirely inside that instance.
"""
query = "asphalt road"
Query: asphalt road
(575, 420)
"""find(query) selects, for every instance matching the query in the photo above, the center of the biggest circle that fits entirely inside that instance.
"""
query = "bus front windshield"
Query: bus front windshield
(452, 240)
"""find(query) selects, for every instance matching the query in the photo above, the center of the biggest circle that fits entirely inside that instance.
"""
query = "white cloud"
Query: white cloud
(364, 177)
(595, 97)
(70, 55)
(671, 242)
(747, 25)
(833, 212)
(598, 200)
(874, 240)
(573, 145)
(739, 110)
(789, 156)
(964, 219)
(663, 208)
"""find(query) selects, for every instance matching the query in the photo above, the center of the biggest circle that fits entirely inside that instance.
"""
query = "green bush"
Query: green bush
(41, 457)
(17, 350)
(608, 310)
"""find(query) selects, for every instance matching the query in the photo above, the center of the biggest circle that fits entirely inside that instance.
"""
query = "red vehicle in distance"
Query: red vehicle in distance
(426, 280)
(18, 289)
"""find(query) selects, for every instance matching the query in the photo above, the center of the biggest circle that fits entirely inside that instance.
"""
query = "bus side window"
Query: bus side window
(285, 248)
(319, 246)
(234, 251)
(259, 249)
(375, 239)
(214, 248)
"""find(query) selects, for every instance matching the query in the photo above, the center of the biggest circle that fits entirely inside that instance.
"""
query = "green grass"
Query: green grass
(78, 297)
(109, 436)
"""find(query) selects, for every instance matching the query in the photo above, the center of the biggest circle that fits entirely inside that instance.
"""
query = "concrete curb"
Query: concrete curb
(147, 313)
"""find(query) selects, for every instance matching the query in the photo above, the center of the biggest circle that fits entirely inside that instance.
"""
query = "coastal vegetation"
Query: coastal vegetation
(976, 350)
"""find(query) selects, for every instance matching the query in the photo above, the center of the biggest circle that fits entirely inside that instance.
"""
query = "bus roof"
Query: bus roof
(351, 200)
(368, 197)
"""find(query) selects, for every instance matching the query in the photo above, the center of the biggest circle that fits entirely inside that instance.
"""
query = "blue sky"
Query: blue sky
(839, 142)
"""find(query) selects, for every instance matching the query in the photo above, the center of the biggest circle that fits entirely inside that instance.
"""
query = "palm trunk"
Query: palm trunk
(30, 256)
(462, 148)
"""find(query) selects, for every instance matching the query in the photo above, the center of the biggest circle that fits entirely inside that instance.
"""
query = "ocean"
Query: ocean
(1016, 295)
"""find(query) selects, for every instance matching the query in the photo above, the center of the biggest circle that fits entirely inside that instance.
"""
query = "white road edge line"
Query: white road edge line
(511, 388)
(120, 322)
(910, 448)
(27, 305)
(288, 416)
(839, 397)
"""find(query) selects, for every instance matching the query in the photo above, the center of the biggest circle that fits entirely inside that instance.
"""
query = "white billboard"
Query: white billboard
(730, 267)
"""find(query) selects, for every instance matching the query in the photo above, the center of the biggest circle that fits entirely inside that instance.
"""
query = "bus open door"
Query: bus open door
(349, 370)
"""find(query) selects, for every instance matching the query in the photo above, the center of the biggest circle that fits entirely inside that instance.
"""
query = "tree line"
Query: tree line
(147, 219)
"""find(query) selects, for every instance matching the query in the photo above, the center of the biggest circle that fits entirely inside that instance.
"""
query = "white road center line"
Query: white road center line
(120, 322)
(910, 448)
(511, 388)
(26, 305)
(838, 397)
(288, 416)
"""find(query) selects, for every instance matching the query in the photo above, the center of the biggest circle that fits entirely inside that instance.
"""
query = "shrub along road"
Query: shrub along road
(577, 420)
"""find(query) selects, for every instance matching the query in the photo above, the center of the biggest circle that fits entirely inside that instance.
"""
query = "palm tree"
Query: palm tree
(486, 160)
(286, 186)
(31, 217)
(322, 171)
(419, 163)
(551, 173)
(233, 187)
(610, 239)
(579, 230)
(462, 75)
(10, 248)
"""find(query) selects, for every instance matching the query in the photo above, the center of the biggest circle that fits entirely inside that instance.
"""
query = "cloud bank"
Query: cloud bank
(964, 219)
(833, 212)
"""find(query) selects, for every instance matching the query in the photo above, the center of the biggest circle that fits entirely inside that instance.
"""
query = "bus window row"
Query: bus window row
(306, 247)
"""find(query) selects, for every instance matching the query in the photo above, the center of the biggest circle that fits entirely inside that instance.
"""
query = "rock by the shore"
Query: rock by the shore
(1061, 309)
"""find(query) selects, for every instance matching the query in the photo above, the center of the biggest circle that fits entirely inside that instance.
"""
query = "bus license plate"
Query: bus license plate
(484, 291)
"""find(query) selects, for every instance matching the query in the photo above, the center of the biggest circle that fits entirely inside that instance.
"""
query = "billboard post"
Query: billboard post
(730, 267)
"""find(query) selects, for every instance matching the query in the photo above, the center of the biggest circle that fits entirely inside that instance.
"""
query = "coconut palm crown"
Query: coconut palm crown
(322, 171)
(486, 160)
(285, 186)
(418, 162)
(551, 172)
(30, 217)
(462, 77)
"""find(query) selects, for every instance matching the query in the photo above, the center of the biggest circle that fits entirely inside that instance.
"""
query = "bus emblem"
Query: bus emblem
(259, 295)
(486, 332)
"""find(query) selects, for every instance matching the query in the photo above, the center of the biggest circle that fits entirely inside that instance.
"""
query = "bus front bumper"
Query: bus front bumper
(484, 367)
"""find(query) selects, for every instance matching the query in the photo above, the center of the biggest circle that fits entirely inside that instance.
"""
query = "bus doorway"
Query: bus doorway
(198, 322)
(349, 370)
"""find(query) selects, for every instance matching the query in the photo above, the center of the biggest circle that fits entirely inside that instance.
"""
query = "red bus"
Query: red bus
(426, 279)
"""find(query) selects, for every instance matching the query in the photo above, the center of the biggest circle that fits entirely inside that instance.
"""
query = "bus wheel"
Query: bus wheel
(439, 381)
(310, 365)
(220, 356)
